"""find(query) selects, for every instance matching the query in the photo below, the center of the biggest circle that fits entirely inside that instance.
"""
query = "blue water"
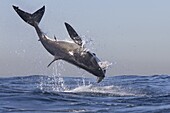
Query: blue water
(116, 94)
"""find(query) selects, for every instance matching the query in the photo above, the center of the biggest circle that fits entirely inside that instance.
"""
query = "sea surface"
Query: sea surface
(115, 94)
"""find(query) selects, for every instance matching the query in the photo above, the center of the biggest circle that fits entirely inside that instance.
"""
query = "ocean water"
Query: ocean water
(115, 94)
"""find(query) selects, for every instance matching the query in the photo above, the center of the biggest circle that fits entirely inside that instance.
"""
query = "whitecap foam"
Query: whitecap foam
(106, 90)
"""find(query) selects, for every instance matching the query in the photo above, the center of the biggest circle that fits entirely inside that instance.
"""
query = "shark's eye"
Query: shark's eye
(94, 54)
(104, 71)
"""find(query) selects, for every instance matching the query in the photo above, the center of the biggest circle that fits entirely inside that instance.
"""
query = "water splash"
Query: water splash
(59, 84)
(83, 80)
(105, 64)
(55, 82)
(88, 43)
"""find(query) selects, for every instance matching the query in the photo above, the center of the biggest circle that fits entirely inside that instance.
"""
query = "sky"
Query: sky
(132, 34)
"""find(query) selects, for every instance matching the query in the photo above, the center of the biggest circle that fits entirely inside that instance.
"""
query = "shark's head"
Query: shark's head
(93, 65)
(100, 73)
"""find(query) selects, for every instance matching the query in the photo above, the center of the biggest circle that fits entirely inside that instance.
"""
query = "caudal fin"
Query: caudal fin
(32, 19)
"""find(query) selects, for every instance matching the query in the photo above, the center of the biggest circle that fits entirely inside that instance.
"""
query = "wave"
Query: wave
(78, 94)
(130, 85)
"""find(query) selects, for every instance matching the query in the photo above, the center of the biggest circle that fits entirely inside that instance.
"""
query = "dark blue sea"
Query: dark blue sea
(115, 94)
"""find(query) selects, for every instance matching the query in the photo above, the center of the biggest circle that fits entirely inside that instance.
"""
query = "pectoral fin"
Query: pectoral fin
(55, 58)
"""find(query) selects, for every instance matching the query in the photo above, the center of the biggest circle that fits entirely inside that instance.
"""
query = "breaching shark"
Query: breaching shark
(72, 52)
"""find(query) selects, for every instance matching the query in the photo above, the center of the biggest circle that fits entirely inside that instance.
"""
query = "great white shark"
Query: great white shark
(72, 52)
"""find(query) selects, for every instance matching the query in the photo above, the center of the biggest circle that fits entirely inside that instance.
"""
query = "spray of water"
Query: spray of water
(58, 81)
(55, 82)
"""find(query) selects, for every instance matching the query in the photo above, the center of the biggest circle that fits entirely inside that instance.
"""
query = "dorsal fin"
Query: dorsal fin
(73, 34)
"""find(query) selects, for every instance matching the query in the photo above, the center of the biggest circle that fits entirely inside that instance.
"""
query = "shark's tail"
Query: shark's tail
(32, 19)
